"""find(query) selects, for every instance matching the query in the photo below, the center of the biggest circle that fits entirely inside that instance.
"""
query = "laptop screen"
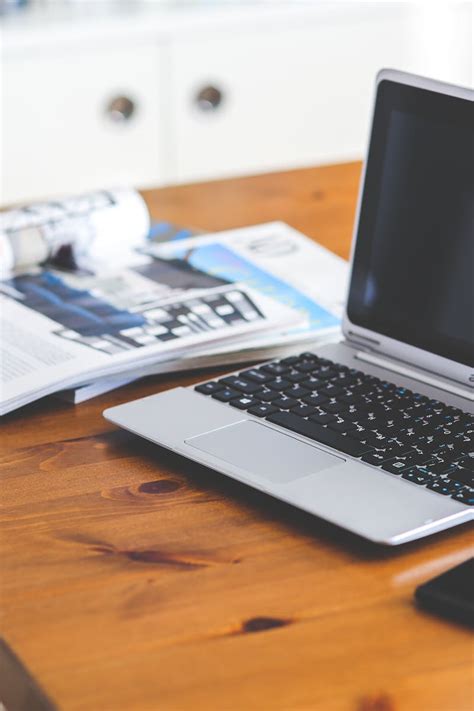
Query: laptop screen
(413, 266)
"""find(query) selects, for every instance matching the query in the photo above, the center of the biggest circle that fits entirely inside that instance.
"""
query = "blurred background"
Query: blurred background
(100, 93)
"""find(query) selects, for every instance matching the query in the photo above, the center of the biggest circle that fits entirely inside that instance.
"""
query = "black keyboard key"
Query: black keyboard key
(399, 450)
(464, 442)
(403, 392)
(262, 410)
(378, 457)
(466, 462)
(291, 360)
(434, 421)
(323, 418)
(306, 366)
(394, 423)
(366, 423)
(441, 488)
(209, 388)
(312, 383)
(275, 368)
(334, 407)
(454, 452)
(463, 475)
(256, 375)
(226, 394)
(315, 400)
(244, 402)
(359, 388)
(285, 403)
(439, 468)
(296, 391)
(377, 440)
(294, 376)
(457, 427)
(465, 497)
(456, 412)
(345, 379)
(351, 412)
(374, 414)
(394, 466)
(325, 373)
(327, 362)
(454, 485)
(279, 384)
(245, 386)
(266, 395)
(316, 432)
(359, 434)
(415, 476)
(450, 442)
(349, 399)
(417, 459)
(426, 445)
(303, 410)
(307, 355)
(331, 390)
(341, 426)
(450, 453)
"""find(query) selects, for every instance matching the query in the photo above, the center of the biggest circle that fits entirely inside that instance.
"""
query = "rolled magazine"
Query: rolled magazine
(81, 232)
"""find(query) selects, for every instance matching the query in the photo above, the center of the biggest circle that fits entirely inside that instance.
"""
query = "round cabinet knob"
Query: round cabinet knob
(120, 109)
(209, 98)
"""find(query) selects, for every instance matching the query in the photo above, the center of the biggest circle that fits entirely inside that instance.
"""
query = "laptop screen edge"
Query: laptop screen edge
(373, 340)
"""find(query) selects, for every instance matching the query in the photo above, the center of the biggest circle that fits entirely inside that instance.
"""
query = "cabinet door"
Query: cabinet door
(282, 97)
(88, 118)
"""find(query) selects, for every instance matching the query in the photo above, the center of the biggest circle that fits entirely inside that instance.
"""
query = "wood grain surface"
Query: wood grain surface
(134, 579)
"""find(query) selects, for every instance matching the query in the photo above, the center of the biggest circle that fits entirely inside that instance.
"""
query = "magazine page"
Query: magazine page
(277, 261)
(274, 259)
(105, 324)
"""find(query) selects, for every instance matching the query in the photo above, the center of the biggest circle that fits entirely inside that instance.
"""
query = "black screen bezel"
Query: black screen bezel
(454, 110)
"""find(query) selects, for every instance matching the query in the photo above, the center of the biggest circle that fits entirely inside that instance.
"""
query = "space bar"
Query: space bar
(319, 434)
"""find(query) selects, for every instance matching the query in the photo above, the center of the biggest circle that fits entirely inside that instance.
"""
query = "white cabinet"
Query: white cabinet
(288, 97)
(59, 131)
(284, 84)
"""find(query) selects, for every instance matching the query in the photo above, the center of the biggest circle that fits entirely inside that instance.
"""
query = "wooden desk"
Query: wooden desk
(133, 579)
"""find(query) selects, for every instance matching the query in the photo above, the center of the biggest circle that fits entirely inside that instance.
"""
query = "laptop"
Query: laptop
(374, 433)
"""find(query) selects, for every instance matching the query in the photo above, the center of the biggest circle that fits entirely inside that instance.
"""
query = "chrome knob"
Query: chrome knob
(120, 109)
(209, 98)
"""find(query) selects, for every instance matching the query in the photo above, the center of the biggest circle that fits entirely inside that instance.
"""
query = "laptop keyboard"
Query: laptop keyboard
(424, 441)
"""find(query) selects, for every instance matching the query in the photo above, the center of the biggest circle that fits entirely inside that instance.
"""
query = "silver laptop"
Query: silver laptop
(373, 433)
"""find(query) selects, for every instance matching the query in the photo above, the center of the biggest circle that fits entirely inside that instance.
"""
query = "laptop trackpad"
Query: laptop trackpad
(264, 452)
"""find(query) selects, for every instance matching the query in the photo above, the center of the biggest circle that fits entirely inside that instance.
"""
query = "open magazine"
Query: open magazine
(272, 258)
(186, 303)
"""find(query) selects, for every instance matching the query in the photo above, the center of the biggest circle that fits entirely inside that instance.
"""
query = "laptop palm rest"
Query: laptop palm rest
(263, 452)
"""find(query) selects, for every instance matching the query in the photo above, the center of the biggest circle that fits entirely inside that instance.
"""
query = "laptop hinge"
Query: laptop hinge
(415, 374)
(361, 340)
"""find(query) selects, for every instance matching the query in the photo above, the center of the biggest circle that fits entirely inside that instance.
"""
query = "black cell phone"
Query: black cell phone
(451, 594)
